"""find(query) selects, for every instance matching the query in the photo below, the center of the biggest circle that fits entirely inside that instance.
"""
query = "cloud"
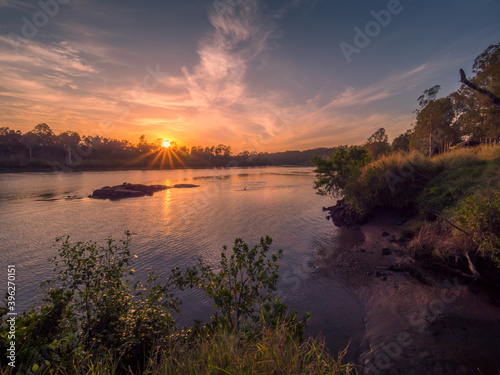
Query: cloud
(236, 88)
(240, 36)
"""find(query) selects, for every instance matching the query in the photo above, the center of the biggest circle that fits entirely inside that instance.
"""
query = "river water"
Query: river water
(177, 226)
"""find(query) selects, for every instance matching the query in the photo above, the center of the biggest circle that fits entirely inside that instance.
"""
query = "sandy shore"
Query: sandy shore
(417, 321)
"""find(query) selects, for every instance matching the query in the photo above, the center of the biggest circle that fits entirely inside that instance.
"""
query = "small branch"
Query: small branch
(453, 225)
(472, 267)
(494, 99)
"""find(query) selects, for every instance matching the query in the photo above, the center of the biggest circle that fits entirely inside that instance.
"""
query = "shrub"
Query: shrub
(94, 322)
(480, 217)
(242, 285)
(343, 165)
(90, 307)
(393, 181)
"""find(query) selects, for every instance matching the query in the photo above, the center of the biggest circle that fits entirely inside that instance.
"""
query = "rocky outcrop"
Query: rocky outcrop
(344, 216)
(127, 190)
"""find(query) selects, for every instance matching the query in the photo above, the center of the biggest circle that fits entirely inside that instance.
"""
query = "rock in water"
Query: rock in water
(126, 191)
(183, 186)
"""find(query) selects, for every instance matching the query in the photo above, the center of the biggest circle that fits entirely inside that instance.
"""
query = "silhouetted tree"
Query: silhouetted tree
(69, 140)
(378, 144)
(402, 142)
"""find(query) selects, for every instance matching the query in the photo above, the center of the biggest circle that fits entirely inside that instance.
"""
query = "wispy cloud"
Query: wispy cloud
(240, 36)
(238, 79)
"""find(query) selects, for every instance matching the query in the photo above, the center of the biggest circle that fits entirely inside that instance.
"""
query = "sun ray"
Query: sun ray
(139, 158)
(179, 159)
(170, 159)
(164, 153)
(156, 158)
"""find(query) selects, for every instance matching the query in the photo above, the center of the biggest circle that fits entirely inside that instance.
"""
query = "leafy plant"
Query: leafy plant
(480, 217)
(90, 307)
(242, 285)
(344, 165)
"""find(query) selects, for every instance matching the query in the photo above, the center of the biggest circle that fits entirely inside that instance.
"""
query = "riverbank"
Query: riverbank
(417, 321)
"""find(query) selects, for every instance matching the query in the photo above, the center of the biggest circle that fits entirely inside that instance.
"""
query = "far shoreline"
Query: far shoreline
(48, 169)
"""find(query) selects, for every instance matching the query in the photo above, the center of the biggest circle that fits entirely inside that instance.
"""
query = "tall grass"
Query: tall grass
(414, 182)
(270, 351)
(443, 185)
(274, 351)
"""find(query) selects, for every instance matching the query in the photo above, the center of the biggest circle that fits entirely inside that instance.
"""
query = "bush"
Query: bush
(343, 166)
(92, 321)
(393, 181)
(480, 217)
(243, 285)
(90, 307)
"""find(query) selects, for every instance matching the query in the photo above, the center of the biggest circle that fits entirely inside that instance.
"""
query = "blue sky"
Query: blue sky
(265, 76)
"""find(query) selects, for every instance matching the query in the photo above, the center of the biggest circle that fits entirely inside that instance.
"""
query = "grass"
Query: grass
(432, 240)
(425, 187)
(271, 351)
(274, 352)
(428, 185)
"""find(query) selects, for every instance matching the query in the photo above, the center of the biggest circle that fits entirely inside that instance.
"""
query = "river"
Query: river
(177, 226)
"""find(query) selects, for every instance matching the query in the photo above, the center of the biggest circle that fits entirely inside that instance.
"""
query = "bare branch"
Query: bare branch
(494, 99)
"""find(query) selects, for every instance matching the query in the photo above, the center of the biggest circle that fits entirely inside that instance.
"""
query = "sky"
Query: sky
(265, 76)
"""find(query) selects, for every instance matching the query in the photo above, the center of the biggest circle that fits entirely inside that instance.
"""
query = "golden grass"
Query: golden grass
(435, 240)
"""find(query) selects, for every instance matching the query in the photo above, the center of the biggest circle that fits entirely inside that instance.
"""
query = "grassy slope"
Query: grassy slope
(424, 187)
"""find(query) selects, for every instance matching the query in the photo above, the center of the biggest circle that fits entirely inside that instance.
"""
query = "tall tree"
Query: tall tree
(69, 140)
(10, 141)
(378, 144)
(434, 122)
(479, 109)
(46, 136)
(424, 100)
(402, 142)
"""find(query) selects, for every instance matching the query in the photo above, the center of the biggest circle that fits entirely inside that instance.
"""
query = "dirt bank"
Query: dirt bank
(417, 321)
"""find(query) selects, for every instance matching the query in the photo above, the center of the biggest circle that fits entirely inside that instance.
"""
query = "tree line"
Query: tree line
(469, 115)
(464, 115)
(440, 123)
(41, 147)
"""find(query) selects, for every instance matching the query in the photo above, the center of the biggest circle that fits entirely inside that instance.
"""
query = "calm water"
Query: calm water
(175, 227)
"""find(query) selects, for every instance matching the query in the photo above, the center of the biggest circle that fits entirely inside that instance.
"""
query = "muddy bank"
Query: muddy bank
(417, 321)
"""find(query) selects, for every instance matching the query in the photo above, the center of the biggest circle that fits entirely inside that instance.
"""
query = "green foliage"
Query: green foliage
(434, 127)
(270, 351)
(90, 307)
(343, 166)
(93, 321)
(243, 283)
(393, 181)
(480, 217)
(450, 186)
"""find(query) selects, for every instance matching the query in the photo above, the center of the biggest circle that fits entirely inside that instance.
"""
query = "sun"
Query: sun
(166, 143)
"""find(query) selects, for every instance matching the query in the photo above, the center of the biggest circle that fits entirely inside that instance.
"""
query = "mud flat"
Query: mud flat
(417, 321)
